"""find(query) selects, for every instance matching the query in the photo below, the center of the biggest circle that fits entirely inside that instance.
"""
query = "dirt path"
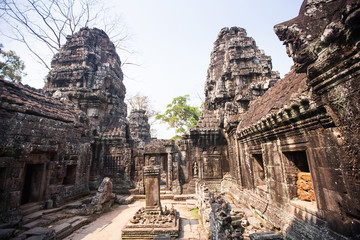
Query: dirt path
(109, 225)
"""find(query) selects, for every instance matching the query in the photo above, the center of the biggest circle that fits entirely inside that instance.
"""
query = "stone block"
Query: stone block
(266, 236)
(129, 199)
(256, 223)
(40, 233)
(61, 228)
(33, 224)
(162, 237)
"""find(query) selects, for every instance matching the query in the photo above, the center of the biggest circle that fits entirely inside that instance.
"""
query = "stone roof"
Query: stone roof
(291, 87)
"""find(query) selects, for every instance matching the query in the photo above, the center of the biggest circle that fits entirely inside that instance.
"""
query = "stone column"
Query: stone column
(169, 171)
(152, 190)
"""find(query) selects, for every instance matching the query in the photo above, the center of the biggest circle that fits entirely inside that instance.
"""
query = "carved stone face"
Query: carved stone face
(319, 23)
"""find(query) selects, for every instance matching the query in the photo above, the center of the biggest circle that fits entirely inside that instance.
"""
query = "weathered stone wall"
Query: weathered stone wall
(165, 154)
(306, 123)
(45, 149)
(205, 158)
(330, 57)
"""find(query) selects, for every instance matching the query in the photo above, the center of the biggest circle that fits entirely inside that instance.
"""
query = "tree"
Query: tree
(139, 101)
(180, 115)
(49, 22)
(11, 66)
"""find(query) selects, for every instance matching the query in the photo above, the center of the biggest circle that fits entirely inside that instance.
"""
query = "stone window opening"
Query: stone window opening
(299, 177)
(70, 176)
(259, 172)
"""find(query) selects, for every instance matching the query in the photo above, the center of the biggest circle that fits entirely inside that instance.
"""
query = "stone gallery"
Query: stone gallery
(270, 158)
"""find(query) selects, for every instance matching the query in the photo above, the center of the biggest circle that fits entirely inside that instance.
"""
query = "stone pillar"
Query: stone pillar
(152, 190)
(169, 171)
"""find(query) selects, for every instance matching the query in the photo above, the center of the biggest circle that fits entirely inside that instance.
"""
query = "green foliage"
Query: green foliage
(195, 212)
(180, 115)
(11, 66)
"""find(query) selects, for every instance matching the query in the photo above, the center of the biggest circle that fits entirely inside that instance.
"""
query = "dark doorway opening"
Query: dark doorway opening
(70, 175)
(32, 188)
(2, 179)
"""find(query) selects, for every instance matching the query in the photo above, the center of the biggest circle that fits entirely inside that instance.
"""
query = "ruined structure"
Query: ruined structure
(294, 151)
(60, 142)
(286, 149)
(238, 73)
(87, 71)
(152, 220)
(165, 154)
(139, 128)
(45, 150)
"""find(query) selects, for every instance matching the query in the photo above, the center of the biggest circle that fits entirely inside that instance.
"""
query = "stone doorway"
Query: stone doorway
(33, 183)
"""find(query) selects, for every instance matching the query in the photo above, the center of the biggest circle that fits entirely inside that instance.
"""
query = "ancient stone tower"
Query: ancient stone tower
(87, 71)
(139, 128)
(238, 73)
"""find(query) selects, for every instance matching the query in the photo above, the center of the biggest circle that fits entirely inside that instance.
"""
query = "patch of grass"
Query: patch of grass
(195, 212)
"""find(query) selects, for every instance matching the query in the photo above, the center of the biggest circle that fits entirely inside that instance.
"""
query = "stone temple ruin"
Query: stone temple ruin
(270, 158)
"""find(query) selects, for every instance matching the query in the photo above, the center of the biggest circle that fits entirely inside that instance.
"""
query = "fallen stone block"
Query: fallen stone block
(129, 199)
(256, 223)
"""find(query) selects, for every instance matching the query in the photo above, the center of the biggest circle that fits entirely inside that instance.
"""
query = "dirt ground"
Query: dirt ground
(109, 225)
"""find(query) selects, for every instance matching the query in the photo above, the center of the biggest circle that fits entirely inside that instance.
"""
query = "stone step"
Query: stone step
(33, 224)
(38, 233)
(70, 226)
(166, 196)
(30, 208)
(183, 197)
(31, 217)
(123, 200)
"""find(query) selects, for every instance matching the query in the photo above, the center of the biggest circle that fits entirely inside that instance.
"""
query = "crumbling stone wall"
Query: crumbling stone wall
(45, 149)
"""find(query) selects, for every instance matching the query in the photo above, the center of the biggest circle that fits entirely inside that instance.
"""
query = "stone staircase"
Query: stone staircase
(29, 208)
(56, 223)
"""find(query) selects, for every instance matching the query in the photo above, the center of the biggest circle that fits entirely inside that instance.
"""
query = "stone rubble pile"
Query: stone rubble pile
(222, 219)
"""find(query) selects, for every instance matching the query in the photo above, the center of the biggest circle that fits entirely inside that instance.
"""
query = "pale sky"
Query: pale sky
(173, 41)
